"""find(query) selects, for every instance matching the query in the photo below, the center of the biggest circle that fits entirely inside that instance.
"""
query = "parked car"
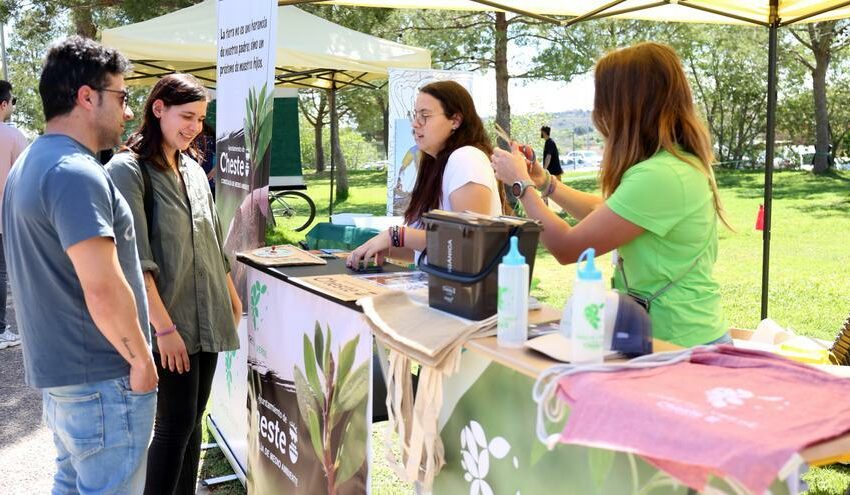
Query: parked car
(581, 158)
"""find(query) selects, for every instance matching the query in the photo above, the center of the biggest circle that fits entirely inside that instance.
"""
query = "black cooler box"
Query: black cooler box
(463, 254)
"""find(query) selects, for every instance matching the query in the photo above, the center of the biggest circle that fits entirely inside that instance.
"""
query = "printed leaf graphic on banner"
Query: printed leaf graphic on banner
(258, 123)
(352, 449)
(350, 396)
(310, 368)
(257, 291)
(315, 433)
(307, 399)
(228, 368)
(346, 359)
(319, 342)
(336, 414)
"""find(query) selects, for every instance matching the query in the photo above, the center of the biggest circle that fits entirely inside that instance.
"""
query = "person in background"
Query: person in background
(194, 307)
(206, 143)
(79, 294)
(454, 170)
(659, 205)
(12, 143)
(551, 158)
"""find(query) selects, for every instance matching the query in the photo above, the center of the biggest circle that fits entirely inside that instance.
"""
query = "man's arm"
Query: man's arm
(112, 306)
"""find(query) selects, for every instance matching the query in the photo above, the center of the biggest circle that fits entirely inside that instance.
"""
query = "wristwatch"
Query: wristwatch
(518, 188)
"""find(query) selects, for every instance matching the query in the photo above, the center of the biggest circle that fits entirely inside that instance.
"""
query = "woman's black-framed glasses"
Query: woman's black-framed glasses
(125, 94)
(419, 117)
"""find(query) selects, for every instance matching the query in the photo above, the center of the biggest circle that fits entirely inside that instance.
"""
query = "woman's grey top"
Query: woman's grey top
(182, 249)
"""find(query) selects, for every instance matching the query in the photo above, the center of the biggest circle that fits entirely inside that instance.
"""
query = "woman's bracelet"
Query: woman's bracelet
(394, 236)
(169, 330)
(547, 182)
(551, 188)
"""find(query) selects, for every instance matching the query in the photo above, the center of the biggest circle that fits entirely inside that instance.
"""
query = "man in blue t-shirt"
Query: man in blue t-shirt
(80, 300)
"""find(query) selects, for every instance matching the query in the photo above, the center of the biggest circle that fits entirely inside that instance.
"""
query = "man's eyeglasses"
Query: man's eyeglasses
(421, 118)
(125, 94)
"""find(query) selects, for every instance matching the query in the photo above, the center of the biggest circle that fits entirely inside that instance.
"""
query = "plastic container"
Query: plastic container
(512, 320)
(587, 331)
(463, 254)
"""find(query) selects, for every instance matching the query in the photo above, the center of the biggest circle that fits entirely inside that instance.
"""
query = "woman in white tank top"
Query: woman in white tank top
(454, 170)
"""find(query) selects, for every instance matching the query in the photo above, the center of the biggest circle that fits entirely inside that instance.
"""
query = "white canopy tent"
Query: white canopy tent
(311, 51)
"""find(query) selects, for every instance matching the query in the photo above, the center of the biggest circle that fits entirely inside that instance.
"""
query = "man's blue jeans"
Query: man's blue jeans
(101, 431)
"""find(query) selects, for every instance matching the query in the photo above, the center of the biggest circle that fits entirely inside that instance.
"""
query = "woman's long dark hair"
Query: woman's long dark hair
(455, 100)
(146, 141)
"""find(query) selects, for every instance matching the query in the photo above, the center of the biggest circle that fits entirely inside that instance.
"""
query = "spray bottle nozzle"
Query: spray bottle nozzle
(514, 257)
(588, 271)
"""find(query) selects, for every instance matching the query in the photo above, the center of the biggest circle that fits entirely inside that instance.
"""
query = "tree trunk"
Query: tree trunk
(83, 22)
(821, 36)
(821, 160)
(336, 149)
(318, 129)
(503, 106)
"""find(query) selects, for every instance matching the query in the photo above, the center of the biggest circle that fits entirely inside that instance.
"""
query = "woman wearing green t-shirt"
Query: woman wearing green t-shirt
(659, 205)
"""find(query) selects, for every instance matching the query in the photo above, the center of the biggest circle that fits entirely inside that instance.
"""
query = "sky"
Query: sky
(533, 96)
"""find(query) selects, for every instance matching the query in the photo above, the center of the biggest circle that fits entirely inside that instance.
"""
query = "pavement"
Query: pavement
(26, 444)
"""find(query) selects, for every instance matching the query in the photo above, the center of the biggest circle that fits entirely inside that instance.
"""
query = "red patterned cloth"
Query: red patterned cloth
(728, 412)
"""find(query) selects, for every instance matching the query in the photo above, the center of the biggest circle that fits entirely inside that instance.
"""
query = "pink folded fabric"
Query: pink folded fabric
(727, 412)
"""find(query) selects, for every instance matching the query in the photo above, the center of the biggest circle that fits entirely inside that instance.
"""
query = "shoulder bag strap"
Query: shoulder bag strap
(148, 197)
(673, 282)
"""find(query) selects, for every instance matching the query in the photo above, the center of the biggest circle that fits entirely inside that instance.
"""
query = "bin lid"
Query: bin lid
(471, 218)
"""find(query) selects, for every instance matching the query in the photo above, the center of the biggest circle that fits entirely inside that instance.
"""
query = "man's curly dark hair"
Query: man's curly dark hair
(71, 63)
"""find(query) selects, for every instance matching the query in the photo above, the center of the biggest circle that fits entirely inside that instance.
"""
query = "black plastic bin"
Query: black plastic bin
(463, 253)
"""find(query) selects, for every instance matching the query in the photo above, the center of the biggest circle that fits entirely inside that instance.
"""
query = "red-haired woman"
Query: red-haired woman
(659, 205)
(454, 169)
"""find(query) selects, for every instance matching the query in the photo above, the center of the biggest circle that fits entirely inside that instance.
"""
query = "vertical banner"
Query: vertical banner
(247, 34)
(309, 368)
(403, 153)
(228, 400)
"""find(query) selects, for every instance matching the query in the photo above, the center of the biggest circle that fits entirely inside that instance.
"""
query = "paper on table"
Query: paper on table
(557, 347)
(341, 286)
(282, 255)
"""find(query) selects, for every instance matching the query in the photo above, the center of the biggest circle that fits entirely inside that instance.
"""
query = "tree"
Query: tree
(35, 28)
(727, 66)
(797, 106)
(475, 41)
(822, 41)
(314, 108)
(38, 22)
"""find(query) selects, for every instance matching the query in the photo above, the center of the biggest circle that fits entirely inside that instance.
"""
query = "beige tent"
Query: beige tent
(709, 11)
(311, 51)
(771, 14)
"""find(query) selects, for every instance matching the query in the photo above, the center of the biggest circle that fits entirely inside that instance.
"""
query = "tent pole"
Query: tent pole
(770, 136)
(334, 131)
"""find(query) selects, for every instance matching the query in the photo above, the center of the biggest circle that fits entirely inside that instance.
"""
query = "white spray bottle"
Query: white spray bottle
(512, 312)
(588, 326)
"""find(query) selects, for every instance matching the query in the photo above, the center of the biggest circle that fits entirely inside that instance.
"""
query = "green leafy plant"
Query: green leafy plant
(332, 402)
(258, 123)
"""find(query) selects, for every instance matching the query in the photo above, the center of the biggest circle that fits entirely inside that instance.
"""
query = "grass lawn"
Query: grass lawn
(810, 253)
